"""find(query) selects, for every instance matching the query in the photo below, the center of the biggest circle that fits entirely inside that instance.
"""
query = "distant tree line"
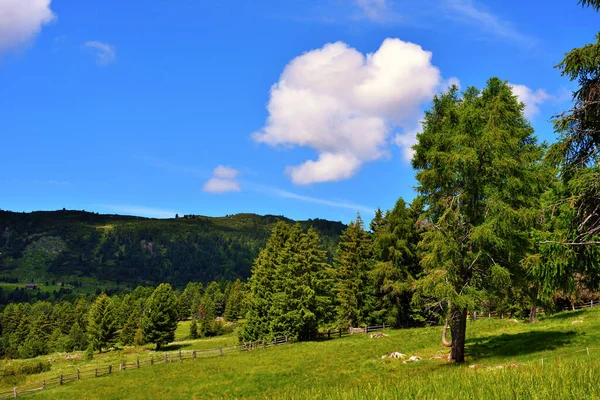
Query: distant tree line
(98, 323)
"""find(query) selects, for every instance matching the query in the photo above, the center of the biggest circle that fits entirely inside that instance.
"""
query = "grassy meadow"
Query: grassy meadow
(504, 361)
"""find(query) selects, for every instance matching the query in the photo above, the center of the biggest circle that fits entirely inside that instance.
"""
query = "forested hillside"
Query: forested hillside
(70, 246)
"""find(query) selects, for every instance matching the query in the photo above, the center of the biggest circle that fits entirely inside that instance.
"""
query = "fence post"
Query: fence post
(137, 362)
(15, 391)
(591, 303)
(340, 332)
(110, 369)
(489, 315)
(60, 381)
(151, 360)
(194, 354)
(78, 374)
(43, 384)
(275, 341)
(383, 327)
(96, 373)
(367, 329)
(165, 357)
(221, 350)
(588, 350)
(180, 359)
(351, 330)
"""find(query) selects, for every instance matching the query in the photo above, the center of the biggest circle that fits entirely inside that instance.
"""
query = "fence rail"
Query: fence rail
(165, 357)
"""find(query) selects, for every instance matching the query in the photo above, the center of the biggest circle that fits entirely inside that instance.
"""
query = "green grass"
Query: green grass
(503, 361)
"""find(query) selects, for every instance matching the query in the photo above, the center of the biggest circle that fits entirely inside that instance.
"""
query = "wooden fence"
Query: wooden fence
(156, 358)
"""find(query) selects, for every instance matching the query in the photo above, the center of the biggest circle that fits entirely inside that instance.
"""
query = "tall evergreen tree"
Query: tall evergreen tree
(290, 286)
(353, 264)
(160, 316)
(477, 165)
(101, 325)
(396, 263)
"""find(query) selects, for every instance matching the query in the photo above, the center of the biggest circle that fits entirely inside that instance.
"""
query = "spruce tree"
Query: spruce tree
(101, 325)
(353, 265)
(396, 263)
(160, 316)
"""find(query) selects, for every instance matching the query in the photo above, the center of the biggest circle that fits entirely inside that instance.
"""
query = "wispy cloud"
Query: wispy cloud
(105, 53)
(140, 211)
(469, 12)
(277, 192)
(179, 168)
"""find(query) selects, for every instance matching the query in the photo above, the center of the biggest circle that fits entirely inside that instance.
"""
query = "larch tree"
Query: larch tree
(160, 316)
(477, 164)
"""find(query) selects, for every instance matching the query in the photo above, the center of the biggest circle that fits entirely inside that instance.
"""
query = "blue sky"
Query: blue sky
(298, 108)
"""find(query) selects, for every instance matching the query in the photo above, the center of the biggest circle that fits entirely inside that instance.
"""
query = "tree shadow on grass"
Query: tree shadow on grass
(172, 347)
(510, 345)
(564, 315)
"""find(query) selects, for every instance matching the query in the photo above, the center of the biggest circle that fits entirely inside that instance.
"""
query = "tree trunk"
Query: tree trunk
(157, 346)
(532, 314)
(459, 330)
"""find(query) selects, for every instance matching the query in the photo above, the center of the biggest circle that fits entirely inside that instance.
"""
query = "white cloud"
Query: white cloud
(22, 20)
(138, 210)
(468, 11)
(223, 181)
(217, 186)
(405, 141)
(225, 172)
(345, 105)
(532, 99)
(105, 53)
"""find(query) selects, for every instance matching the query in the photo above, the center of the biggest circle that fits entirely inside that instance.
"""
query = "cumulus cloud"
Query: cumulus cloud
(22, 20)
(531, 98)
(346, 105)
(223, 181)
(105, 53)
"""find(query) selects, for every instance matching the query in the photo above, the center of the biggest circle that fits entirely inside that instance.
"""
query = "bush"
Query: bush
(15, 373)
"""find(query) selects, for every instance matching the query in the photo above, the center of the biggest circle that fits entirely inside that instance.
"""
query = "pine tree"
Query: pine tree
(353, 264)
(160, 316)
(477, 165)
(101, 325)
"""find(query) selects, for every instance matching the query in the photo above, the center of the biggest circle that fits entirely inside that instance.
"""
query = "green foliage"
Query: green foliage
(101, 326)
(160, 316)
(290, 287)
(478, 168)
(74, 245)
(396, 263)
(234, 309)
(193, 329)
(353, 288)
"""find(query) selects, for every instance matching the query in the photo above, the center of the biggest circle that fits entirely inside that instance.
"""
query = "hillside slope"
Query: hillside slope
(71, 245)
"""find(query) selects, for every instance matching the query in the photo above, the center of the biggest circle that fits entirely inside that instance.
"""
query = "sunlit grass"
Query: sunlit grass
(504, 360)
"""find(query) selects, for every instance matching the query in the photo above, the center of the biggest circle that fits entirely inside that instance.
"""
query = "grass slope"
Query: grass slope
(504, 361)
